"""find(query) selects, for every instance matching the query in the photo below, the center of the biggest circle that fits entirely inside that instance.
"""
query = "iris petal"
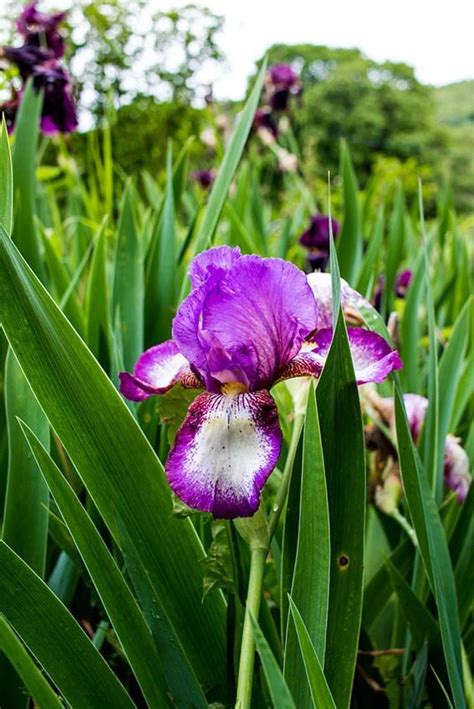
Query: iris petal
(218, 259)
(372, 356)
(224, 452)
(156, 371)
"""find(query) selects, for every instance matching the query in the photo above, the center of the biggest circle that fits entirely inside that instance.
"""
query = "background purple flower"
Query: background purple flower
(26, 58)
(59, 111)
(264, 119)
(40, 29)
(316, 240)
(204, 177)
(402, 283)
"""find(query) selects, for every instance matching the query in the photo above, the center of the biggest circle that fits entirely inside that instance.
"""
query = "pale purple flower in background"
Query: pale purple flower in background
(247, 323)
(456, 463)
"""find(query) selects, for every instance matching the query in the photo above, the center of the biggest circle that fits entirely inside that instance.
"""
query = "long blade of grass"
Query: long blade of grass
(104, 443)
(310, 586)
(433, 547)
(344, 460)
(279, 692)
(119, 603)
(320, 692)
(6, 180)
(25, 666)
(54, 637)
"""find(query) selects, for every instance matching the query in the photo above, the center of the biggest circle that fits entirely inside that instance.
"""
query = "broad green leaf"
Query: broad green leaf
(6, 180)
(128, 285)
(25, 234)
(349, 249)
(119, 603)
(344, 462)
(160, 291)
(35, 682)
(279, 692)
(180, 674)
(320, 692)
(433, 547)
(228, 167)
(25, 522)
(118, 467)
(55, 638)
(310, 586)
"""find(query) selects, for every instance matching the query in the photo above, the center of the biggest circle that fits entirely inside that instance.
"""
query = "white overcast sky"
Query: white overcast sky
(433, 36)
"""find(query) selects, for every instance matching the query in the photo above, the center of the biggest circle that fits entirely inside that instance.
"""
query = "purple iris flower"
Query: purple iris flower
(283, 76)
(282, 82)
(456, 461)
(402, 282)
(248, 323)
(59, 111)
(204, 177)
(26, 58)
(41, 30)
(316, 240)
(264, 119)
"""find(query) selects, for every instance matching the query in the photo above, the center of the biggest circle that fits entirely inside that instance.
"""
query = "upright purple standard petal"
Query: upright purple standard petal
(415, 406)
(218, 259)
(456, 468)
(224, 452)
(156, 371)
(372, 356)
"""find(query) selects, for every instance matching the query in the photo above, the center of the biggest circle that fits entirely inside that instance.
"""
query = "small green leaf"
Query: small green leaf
(36, 683)
(279, 692)
(320, 692)
(6, 180)
(55, 638)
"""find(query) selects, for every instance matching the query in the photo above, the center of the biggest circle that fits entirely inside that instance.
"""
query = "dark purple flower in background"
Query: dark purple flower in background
(204, 177)
(248, 323)
(59, 111)
(26, 58)
(282, 83)
(378, 293)
(316, 240)
(38, 59)
(264, 119)
(41, 30)
(283, 76)
(402, 283)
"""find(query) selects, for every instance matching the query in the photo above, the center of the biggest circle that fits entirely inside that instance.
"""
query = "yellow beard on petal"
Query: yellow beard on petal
(233, 388)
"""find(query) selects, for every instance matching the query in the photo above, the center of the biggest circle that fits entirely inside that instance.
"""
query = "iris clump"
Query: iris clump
(39, 60)
(248, 323)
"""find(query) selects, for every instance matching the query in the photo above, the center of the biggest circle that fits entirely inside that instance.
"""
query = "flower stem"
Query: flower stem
(247, 651)
(285, 483)
(258, 555)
